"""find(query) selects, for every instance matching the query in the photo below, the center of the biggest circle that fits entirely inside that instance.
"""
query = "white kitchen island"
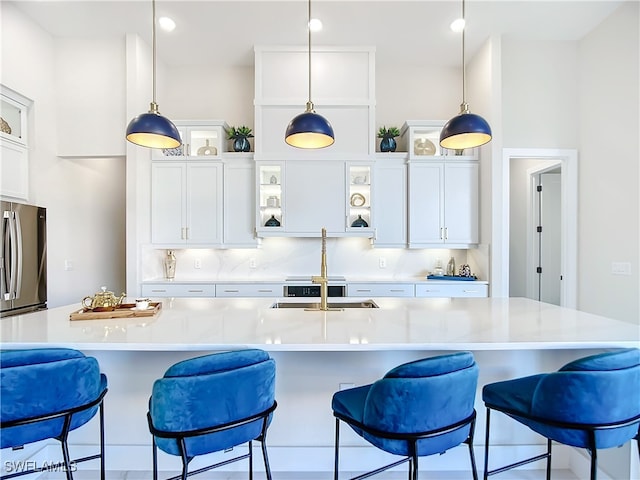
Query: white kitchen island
(316, 352)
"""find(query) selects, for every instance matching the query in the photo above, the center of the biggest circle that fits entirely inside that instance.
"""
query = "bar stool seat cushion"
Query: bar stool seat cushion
(213, 390)
(414, 397)
(599, 389)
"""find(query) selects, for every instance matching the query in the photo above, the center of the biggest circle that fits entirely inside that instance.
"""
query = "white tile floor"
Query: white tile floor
(464, 475)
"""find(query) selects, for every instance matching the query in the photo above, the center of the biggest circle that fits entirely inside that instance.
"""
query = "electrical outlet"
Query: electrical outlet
(197, 263)
(346, 386)
(382, 262)
(252, 263)
(68, 265)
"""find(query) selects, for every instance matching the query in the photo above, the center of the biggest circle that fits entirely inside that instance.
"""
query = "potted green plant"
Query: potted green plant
(388, 135)
(240, 136)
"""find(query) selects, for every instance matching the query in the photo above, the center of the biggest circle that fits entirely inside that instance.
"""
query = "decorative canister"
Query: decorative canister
(170, 265)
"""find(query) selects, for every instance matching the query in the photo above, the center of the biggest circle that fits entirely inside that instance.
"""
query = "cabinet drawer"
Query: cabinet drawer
(178, 290)
(440, 290)
(249, 290)
(380, 290)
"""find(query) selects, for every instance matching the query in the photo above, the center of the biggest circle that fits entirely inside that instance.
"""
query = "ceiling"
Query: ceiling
(217, 32)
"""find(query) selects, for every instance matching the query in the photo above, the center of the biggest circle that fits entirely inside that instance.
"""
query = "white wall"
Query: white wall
(84, 197)
(609, 114)
(579, 95)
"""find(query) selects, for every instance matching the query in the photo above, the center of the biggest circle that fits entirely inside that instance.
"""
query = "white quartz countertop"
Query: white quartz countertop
(190, 324)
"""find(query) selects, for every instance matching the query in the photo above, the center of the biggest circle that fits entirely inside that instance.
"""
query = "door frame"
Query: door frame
(569, 206)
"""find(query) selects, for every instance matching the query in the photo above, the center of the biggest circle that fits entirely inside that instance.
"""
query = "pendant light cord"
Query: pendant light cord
(464, 68)
(464, 106)
(153, 55)
(309, 103)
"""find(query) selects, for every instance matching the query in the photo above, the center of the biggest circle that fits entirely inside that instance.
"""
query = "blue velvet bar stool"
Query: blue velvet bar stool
(417, 409)
(213, 403)
(46, 393)
(591, 403)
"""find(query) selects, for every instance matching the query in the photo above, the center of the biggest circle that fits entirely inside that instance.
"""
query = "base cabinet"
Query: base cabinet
(449, 290)
(380, 289)
(160, 290)
(249, 290)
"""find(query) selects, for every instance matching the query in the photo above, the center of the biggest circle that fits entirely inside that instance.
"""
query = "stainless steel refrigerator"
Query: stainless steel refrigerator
(23, 264)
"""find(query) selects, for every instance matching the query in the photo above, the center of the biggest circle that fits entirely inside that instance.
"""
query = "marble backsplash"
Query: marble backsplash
(277, 258)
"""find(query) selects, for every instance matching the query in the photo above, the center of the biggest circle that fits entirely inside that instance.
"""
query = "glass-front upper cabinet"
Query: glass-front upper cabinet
(359, 198)
(270, 216)
(206, 139)
(13, 116)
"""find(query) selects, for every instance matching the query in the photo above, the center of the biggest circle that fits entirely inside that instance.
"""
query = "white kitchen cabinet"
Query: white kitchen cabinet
(390, 200)
(314, 197)
(380, 289)
(249, 290)
(452, 290)
(443, 204)
(186, 204)
(206, 139)
(165, 289)
(239, 201)
(14, 146)
(298, 198)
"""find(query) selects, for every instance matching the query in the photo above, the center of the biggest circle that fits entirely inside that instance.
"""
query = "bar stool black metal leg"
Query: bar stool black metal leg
(335, 456)
(486, 446)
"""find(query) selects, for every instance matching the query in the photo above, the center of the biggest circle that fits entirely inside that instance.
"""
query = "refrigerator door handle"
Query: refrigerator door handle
(18, 253)
(10, 259)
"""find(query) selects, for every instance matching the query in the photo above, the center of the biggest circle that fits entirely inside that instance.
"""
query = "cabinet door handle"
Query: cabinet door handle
(446, 233)
(363, 290)
(441, 232)
(195, 291)
(397, 290)
(266, 290)
(470, 291)
(154, 290)
(231, 291)
(186, 236)
(182, 233)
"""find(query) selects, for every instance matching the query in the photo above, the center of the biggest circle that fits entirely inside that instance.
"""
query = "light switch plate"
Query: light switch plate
(621, 268)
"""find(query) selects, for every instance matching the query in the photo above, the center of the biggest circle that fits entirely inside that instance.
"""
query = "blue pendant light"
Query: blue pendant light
(309, 129)
(466, 130)
(152, 129)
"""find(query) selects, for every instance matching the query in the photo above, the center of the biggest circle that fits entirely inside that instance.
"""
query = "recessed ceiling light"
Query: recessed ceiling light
(315, 25)
(167, 24)
(457, 25)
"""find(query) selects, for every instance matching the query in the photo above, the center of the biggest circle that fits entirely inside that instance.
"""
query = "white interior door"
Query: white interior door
(550, 273)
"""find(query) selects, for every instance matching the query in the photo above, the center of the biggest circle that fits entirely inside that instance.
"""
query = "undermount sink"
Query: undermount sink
(331, 305)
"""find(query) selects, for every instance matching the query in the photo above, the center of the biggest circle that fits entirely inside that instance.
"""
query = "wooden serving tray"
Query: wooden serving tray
(124, 310)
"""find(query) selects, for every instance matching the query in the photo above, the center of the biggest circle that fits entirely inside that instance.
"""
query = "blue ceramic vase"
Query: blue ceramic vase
(241, 144)
(388, 144)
